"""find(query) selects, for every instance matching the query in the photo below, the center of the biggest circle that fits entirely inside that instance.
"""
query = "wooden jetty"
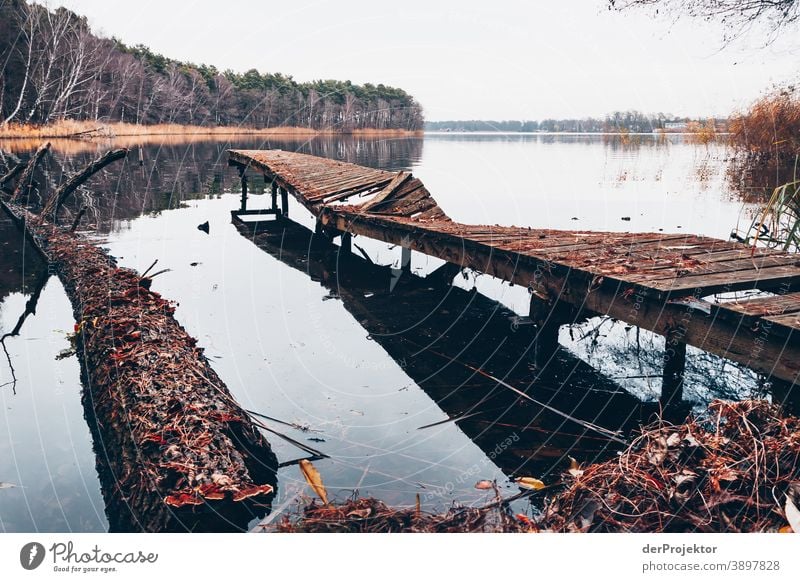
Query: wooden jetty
(666, 283)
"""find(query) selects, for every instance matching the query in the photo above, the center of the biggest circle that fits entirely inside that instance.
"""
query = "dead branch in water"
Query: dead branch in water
(26, 179)
(30, 309)
(11, 175)
(55, 201)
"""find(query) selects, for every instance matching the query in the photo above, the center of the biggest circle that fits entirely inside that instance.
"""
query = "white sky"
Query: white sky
(470, 59)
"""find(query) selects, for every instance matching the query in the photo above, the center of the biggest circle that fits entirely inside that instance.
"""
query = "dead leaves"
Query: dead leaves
(727, 473)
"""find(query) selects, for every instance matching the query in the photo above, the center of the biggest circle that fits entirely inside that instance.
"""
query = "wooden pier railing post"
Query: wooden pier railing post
(243, 176)
(674, 367)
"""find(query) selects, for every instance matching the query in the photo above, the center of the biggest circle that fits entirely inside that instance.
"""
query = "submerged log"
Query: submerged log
(175, 451)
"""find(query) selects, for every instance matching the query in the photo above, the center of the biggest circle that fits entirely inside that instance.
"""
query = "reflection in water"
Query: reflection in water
(156, 178)
(285, 352)
(468, 354)
(20, 264)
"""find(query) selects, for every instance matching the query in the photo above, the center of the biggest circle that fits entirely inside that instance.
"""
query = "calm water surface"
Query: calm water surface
(327, 347)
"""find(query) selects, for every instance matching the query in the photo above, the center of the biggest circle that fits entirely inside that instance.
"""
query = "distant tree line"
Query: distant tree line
(631, 121)
(55, 68)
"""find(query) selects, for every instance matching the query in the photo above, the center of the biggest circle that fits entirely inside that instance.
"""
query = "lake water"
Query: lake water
(359, 372)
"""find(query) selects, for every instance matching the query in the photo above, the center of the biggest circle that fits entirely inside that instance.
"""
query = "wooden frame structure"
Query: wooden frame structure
(664, 283)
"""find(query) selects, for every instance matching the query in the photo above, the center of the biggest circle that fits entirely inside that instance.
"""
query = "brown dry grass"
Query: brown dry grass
(71, 129)
(25, 138)
(771, 127)
(766, 139)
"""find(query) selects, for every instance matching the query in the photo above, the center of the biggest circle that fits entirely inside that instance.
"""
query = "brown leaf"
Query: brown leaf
(530, 483)
(314, 479)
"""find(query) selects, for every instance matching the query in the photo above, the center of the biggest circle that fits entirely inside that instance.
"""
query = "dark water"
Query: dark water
(355, 359)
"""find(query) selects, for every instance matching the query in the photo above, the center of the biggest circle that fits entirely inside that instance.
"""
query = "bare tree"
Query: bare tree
(26, 32)
(738, 15)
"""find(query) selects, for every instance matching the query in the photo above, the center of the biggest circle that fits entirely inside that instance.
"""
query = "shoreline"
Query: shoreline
(93, 130)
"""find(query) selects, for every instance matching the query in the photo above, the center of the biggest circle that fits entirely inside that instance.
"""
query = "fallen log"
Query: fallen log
(64, 191)
(175, 451)
(26, 179)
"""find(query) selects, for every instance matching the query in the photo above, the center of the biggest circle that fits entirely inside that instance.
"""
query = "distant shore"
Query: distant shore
(89, 129)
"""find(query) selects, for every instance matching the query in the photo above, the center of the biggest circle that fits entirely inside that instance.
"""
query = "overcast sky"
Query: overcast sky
(467, 60)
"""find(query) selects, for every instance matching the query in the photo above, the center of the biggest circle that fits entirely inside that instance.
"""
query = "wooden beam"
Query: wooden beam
(763, 350)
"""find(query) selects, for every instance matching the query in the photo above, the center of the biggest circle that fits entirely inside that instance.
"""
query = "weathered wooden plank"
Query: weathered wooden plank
(735, 269)
(772, 305)
(363, 191)
(395, 205)
(791, 320)
(397, 182)
(768, 278)
(340, 183)
(359, 185)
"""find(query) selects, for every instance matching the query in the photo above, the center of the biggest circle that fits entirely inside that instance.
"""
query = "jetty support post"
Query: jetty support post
(284, 202)
(274, 194)
(786, 394)
(346, 246)
(243, 176)
(674, 367)
(405, 259)
(548, 316)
